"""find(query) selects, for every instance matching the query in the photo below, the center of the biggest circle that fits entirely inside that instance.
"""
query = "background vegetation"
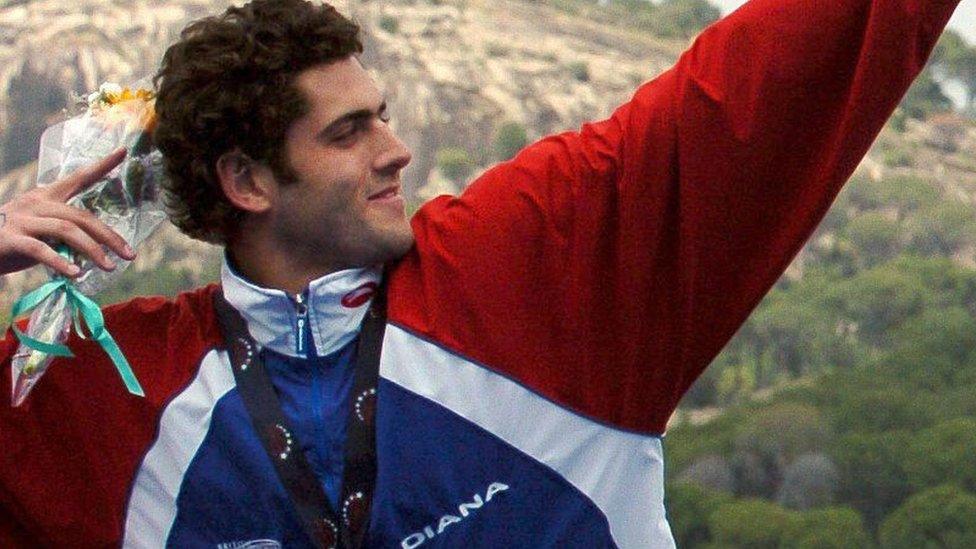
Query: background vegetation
(843, 413)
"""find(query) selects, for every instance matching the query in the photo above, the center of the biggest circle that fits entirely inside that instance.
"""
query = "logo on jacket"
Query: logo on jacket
(359, 296)
(464, 510)
(253, 544)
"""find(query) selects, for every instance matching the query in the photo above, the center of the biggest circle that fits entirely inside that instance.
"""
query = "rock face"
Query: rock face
(454, 71)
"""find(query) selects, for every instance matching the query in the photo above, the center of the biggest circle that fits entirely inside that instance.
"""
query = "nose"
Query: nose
(393, 155)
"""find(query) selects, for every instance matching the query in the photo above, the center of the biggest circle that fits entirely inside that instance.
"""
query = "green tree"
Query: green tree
(872, 476)
(509, 140)
(752, 523)
(580, 71)
(943, 453)
(908, 193)
(869, 405)
(881, 299)
(958, 60)
(455, 163)
(772, 439)
(944, 516)
(795, 332)
(964, 69)
(810, 481)
(951, 45)
(828, 528)
(935, 350)
(876, 238)
(689, 507)
(389, 23)
(925, 97)
(941, 229)
(711, 472)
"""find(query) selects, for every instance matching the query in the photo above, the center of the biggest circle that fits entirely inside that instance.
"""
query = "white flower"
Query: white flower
(94, 98)
(105, 95)
(110, 88)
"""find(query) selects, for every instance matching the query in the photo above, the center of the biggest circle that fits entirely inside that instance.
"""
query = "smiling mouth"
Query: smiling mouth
(386, 193)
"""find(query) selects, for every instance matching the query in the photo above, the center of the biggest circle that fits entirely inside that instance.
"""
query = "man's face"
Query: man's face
(345, 209)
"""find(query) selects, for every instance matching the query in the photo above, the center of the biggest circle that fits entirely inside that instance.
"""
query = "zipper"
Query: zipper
(301, 308)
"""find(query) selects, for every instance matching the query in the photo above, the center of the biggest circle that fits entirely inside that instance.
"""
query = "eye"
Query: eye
(349, 131)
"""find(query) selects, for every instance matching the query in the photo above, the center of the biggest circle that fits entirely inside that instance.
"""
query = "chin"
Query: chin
(400, 245)
(393, 246)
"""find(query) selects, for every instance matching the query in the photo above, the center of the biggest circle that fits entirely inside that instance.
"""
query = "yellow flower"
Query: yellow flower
(114, 98)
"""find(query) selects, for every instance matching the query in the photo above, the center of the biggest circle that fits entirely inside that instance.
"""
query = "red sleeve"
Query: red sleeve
(69, 454)
(12, 535)
(606, 268)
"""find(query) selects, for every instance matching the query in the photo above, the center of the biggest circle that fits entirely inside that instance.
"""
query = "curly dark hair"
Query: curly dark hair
(228, 84)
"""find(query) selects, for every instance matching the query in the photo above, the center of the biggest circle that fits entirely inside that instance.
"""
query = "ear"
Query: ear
(247, 184)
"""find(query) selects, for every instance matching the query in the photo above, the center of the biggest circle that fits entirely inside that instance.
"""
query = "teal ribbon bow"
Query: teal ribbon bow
(90, 311)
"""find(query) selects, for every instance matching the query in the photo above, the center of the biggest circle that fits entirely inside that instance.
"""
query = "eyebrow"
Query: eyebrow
(352, 116)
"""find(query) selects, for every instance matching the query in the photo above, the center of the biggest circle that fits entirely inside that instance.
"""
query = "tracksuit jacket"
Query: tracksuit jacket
(540, 333)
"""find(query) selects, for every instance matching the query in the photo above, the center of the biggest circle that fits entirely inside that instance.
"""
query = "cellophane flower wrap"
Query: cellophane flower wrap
(128, 199)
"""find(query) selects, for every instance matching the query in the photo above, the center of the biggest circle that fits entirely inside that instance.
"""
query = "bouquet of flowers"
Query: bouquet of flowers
(128, 200)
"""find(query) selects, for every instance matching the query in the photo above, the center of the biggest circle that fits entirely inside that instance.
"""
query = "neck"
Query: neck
(273, 267)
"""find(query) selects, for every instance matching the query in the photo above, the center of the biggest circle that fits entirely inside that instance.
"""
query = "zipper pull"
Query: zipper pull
(302, 309)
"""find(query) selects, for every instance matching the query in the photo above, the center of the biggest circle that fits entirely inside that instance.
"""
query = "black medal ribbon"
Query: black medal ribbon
(327, 528)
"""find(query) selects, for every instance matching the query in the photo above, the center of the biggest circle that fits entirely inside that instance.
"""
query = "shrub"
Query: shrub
(925, 98)
(455, 163)
(940, 517)
(898, 158)
(389, 23)
(831, 528)
(580, 71)
(689, 507)
(772, 439)
(495, 49)
(943, 453)
(875, 238)
(750, 523)
(942, 228)
(810, 481)
(872, 475)
(509, 140)
(711, 472)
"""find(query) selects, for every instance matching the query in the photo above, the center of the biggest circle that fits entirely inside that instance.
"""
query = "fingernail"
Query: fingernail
(129, 251)
(74, 270)
(109, 264)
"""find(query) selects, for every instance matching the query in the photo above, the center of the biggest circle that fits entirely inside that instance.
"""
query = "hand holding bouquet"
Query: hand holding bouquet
(81, 161)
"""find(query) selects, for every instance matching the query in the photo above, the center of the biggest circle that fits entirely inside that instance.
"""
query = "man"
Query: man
(541, 327)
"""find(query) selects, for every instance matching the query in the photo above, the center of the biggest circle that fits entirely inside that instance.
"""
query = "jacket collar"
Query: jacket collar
(336, 305)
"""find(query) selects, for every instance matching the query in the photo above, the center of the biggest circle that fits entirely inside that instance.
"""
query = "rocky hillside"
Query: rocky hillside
(451, 68)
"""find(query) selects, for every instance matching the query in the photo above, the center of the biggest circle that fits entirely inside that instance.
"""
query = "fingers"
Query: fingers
(76, 182)
(41, 214)
(72, 235)
(42, 253)
(94, 227)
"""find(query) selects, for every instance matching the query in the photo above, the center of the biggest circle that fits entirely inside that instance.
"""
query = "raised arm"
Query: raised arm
(606, 268)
